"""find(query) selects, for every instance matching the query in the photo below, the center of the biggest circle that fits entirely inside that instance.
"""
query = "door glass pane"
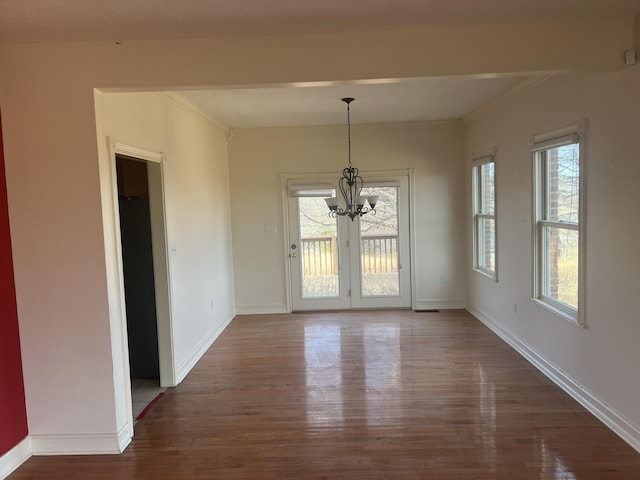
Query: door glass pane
(318, 249)
(560, 277)
(379, 265)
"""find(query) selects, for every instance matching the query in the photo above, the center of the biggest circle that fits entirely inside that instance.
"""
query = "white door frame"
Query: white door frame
(154, 161)
(315, 178)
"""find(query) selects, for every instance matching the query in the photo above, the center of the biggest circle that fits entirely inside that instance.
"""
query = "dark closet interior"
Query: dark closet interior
(137, 260)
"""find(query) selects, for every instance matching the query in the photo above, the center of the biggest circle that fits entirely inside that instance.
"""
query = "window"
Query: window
(484, 215)
(558, 227)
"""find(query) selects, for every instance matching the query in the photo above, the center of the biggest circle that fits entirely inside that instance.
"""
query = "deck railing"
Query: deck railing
(319, 255)
(379, 254)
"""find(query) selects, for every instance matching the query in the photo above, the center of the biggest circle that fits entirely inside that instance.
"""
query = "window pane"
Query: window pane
(560, 251)
(379, 261)
(563, 183)
(318, 249)
(487, 243)
(486, 188)
(485, 228)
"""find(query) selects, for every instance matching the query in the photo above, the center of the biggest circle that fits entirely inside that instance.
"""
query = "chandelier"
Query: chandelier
(351, 186)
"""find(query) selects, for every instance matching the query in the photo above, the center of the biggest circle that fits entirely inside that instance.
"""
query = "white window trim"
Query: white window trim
(478, 159)
(540, 142)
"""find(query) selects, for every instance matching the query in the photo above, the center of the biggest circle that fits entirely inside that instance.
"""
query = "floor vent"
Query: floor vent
(427, 311)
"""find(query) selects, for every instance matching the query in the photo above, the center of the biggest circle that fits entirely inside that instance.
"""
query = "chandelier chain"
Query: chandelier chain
(349, 130)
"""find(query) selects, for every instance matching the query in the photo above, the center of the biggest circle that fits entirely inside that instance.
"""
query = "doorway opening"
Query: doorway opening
(145, 276)
(139, 284)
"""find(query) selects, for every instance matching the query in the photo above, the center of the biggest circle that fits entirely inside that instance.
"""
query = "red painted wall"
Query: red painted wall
(13, 413)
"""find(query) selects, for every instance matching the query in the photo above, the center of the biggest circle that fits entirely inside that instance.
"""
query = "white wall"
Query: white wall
(196, 190)
(603, 358)
(259, 156)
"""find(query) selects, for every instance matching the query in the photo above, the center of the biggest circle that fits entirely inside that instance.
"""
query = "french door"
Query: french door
(337, 263)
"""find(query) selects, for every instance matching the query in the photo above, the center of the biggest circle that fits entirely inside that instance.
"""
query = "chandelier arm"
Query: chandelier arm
(343, 191)
(359, 185)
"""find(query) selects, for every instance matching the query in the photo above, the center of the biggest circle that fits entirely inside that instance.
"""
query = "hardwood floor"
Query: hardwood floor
(360, 395)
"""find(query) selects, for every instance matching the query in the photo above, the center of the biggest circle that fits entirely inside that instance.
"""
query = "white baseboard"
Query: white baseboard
(626, 430)
(262, 309)
(15, 457)
(69, 444)
(125, 435)
(76, 444)
(200, 349)
(437, 304)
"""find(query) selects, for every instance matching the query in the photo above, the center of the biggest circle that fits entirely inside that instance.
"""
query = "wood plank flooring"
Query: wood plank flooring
(360, 395)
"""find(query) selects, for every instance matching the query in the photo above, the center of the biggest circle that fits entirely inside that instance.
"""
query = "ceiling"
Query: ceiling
(388, 101)
(414, 100)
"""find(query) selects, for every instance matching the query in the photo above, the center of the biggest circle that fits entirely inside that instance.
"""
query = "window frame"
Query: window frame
(478, 161)
(541, 144)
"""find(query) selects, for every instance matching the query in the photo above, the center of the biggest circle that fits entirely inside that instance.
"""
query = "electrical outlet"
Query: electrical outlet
(443, 279)
(630, 58)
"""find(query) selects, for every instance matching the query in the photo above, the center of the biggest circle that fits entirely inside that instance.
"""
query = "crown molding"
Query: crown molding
(518, 89)
(188, 106)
